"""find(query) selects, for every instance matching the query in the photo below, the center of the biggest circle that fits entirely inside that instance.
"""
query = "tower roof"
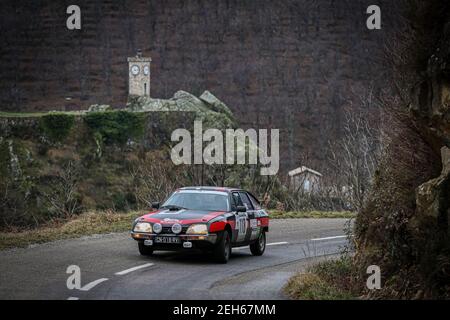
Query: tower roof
(139, 59)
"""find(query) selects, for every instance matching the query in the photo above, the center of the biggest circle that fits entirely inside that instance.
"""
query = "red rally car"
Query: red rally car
(211, 219)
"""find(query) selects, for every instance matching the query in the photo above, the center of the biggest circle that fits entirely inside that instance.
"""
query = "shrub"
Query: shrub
(327, 280)
(116, 126)
(56, 126)
(123, 202)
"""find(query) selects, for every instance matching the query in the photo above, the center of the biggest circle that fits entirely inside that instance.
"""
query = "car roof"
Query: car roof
(223, 189)
(209, 188)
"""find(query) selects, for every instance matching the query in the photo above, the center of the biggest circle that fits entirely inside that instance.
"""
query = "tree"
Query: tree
(355, 156)
(63, 199)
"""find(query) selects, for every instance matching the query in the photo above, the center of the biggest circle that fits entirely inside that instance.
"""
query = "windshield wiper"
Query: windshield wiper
(173, 207)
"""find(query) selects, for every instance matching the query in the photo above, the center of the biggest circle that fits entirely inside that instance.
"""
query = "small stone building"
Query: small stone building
(139, 75)
(304, 179)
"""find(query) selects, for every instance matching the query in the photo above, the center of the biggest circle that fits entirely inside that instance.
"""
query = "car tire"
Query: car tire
(144, 250)
(222, 251)
(259, 246)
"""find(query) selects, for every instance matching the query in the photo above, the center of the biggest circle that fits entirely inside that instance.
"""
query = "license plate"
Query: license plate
(167, 240)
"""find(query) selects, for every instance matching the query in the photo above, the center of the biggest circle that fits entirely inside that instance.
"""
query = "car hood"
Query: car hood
(183, 216)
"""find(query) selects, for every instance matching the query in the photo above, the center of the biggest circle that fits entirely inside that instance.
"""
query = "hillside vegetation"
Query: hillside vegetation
(404, 226)
(58, 165)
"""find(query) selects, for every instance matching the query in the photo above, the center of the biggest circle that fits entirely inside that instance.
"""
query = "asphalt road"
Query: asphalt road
(111, 267)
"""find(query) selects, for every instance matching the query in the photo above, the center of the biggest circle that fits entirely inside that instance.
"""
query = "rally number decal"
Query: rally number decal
(241, 226)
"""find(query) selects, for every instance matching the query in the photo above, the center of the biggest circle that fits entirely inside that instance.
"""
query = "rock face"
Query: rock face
(404, 226)
(431, 98)
(431, 107)
(433, 200)
(207, 108)
(288, 64)
(431, 222)
(99, 107)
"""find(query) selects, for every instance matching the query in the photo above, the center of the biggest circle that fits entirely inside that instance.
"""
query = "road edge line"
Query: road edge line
(92, 284)
(126, 271)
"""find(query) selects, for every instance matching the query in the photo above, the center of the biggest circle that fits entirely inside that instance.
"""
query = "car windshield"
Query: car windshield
(210, 201)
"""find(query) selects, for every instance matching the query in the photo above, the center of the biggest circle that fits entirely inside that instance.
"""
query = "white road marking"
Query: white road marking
(276, 243)
(328, 238)
(92, 284)
(268, 244)
(73, 298)
(121, 273)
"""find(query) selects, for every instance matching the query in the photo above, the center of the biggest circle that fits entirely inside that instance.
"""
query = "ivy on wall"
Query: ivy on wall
(56, 126)
(115, 126)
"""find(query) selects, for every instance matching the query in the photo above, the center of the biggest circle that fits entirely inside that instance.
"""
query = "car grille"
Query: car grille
(168, 230)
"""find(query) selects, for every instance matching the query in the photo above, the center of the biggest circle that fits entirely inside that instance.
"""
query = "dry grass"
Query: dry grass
(275, 214)
(309, 286)
(108, 222)
(82, 225)
(328, 280)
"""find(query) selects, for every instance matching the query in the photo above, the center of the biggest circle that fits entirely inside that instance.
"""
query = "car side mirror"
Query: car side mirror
(155, 205)
(241, 209)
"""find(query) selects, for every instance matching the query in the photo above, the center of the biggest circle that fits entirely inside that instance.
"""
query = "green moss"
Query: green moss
(56, 126)
(115, 126)
(4, 114)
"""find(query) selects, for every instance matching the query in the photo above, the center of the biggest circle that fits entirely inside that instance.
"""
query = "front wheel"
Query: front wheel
(222, 251)
(144, 250)
(257, 248)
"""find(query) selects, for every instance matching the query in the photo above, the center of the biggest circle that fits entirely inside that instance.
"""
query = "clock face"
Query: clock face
(146, 70)
(135, 70)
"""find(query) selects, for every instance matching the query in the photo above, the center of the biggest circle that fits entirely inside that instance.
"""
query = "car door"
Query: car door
(261, 218)
(241, 225)
(251, 222)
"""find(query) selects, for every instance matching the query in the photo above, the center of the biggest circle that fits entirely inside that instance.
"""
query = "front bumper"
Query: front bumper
(198, 241)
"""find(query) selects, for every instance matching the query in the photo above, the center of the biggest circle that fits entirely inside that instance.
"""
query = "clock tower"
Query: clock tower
(139, 75)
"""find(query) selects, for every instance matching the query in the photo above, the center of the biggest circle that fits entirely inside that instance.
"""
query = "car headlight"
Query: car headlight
(197, 229)
(176, 228)
(143, 227)
(157, 227)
